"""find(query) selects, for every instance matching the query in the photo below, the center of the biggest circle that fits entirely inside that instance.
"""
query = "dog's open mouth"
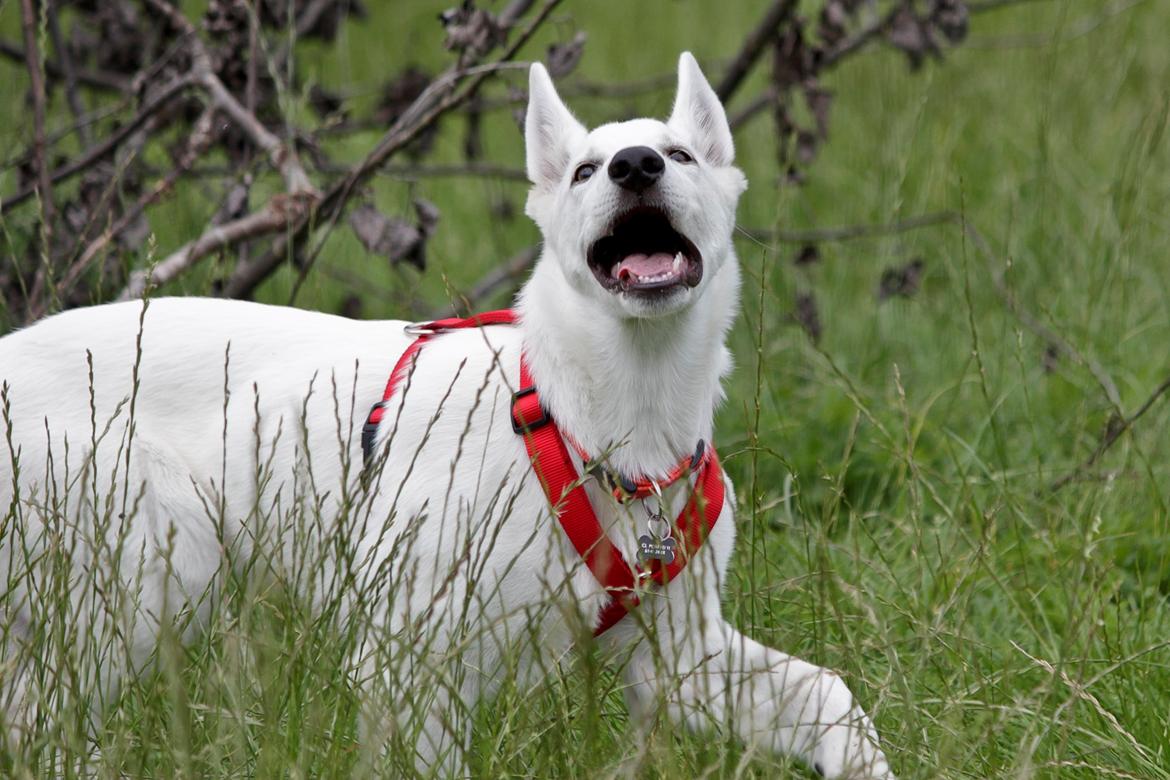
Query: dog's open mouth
(644, 254)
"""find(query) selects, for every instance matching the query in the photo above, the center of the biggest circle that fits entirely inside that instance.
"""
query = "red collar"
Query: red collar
(626, 489)
(562, 486)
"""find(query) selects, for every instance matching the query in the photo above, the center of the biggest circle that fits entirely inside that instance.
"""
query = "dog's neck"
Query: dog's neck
(643, 391)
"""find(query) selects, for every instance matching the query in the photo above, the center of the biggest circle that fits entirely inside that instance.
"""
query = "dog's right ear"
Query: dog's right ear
(699, 115)
(550, 130)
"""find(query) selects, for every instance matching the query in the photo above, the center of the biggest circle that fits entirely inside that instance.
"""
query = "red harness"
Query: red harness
(562, 486)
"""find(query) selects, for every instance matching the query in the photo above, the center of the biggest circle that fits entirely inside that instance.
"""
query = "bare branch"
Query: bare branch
(871, 32)
(275, 215)
(978, 6)
(513, 11)
(200, 139)
(104, 147)
(849, 232)
(753, 47)
(759, 104)
(283, 157)
(1113, 431)
(1033, 323)
(110, 82)
(44, 185)
(474, 170)
(424, 112)
(55, 137)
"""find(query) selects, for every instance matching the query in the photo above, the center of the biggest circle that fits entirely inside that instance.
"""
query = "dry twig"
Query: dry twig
(283, 156)
(44, 185)
(754, 46)
(94, 79)
(1116, 426)
(159, 100)
(424, 112)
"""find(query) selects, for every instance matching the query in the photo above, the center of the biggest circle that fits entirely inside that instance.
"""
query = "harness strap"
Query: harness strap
(424, 332)
(562, 485)
(566, 495)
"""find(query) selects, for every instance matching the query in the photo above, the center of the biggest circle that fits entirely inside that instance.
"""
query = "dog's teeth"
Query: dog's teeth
(678, 258)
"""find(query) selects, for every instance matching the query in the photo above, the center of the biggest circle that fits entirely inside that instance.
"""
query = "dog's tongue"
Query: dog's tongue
(642, 266)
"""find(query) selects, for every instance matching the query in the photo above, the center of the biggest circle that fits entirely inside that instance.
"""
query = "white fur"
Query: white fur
(454, 517)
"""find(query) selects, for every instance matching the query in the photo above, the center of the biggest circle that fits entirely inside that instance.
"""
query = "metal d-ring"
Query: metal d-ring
(653, 517)
(418, 329)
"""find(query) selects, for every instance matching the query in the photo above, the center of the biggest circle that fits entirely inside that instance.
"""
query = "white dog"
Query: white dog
(161, 445)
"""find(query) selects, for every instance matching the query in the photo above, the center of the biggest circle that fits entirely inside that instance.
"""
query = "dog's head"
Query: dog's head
(638, 214)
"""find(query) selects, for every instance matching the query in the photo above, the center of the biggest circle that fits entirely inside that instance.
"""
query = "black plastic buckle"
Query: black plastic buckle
(697, 458)
(369, 433)
(527, 426)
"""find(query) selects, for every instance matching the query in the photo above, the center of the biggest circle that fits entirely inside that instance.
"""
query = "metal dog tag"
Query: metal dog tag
(651, 548)
(657, 545)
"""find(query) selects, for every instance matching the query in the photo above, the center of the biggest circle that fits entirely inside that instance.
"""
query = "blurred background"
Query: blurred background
(947, 423)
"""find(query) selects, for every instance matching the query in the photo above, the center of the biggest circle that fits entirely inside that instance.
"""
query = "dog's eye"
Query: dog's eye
(680, 156)
(583, 172)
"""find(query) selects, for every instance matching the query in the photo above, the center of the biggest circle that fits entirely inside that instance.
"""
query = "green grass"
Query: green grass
(896, 517)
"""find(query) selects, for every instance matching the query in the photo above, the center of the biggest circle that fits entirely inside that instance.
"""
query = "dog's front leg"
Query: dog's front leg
(721, 678)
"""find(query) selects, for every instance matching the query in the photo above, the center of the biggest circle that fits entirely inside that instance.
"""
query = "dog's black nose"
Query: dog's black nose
(636, 167)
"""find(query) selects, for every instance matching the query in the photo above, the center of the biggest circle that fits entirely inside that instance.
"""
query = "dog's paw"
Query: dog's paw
(848, 750)
(845, 743)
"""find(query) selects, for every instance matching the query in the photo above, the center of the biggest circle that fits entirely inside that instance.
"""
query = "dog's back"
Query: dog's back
(140, 442)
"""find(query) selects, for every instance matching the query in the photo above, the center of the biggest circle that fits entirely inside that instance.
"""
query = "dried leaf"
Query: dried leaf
(785, 130)
(503, 209)
(428, 216)
(369, 225)
(901, 280)
(806, 147)
(120, 34)
(235, 203)
(325, 103)
(562, 58)
(806, 315)
(473, 137)
(831, 26)
(351, 307)
(470, 29)
(283, 14)
(395, 238)
(792, 60)
(1051, 360)
(819, 101)
(951, 18)
(807, 255)
(913, 36)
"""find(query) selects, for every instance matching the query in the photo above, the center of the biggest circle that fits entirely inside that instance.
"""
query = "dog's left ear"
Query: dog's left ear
(699, 115)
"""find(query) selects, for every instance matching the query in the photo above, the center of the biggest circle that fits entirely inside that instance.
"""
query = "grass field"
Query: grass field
(898, 520)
